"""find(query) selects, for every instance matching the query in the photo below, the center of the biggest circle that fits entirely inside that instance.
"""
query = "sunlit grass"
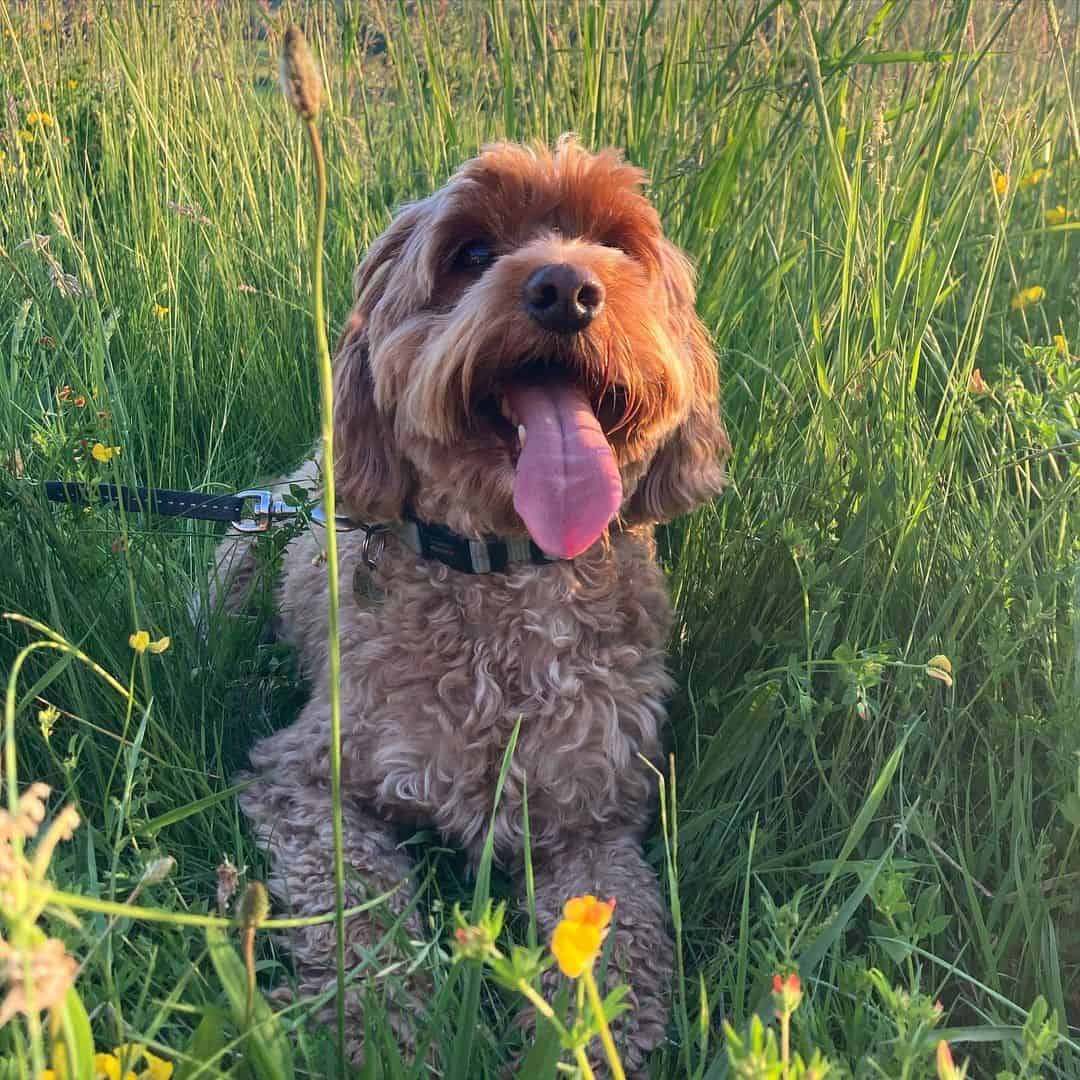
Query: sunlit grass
(883, 205)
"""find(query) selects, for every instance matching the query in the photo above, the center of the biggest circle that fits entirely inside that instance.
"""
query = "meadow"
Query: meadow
(875, 737)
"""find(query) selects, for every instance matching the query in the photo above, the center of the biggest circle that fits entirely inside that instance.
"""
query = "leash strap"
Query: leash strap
(167, 503)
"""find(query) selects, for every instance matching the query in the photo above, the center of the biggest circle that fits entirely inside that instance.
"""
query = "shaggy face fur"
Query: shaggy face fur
(452, 330)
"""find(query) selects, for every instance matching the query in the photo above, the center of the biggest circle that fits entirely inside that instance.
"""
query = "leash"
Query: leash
(255, 510)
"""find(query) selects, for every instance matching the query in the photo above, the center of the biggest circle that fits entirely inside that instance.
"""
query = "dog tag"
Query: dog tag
(364, 588)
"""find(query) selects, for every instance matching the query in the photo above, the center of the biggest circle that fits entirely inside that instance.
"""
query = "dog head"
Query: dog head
(523, 354)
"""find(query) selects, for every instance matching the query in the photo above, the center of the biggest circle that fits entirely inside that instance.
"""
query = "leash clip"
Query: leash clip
(264, 509)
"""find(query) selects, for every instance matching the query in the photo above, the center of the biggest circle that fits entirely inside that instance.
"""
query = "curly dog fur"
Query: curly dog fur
(438, 669)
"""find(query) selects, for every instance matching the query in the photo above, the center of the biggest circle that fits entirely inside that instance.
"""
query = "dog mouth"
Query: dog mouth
(567, 486)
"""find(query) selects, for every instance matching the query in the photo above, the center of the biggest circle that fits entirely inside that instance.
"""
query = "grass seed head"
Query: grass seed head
(300, 80)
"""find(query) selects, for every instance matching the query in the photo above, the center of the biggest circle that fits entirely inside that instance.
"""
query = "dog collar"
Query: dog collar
(467, 555)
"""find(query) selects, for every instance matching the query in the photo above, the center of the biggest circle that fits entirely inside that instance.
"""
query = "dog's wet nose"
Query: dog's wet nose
(563, 298)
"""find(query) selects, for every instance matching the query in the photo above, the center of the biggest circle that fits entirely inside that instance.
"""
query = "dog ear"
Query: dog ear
(688, 469)
(373, 479)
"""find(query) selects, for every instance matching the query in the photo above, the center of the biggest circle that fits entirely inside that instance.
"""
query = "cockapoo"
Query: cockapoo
(523, 390)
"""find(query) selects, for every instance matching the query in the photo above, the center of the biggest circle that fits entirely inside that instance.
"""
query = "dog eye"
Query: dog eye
(475, 255)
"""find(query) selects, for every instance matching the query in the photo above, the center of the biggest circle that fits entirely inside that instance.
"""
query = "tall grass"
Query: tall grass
(860, 188)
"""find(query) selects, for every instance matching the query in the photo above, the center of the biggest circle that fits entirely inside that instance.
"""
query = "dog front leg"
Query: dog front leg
(295, 825)
(640, 951)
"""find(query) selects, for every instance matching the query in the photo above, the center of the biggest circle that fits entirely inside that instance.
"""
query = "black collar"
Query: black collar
(466, 554)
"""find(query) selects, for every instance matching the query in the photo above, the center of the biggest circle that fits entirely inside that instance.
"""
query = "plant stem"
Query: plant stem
(605, 1032)
(326, 386)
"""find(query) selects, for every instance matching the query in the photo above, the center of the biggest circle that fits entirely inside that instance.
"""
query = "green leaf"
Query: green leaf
(77, 1037)
(207, 1042)
(267, 1047)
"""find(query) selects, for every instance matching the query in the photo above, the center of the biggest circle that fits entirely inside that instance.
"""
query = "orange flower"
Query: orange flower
(977, 384)
(578, 937)
(786, 992)
(589, 910)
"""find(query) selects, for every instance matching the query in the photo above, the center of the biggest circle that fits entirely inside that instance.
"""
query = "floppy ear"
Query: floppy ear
(373, 479)
(688, 469)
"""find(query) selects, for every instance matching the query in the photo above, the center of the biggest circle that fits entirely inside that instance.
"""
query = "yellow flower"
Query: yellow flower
(73, 84)
(47, 1074)
(940, 667)
(578, 937)
(1001, 182)
(160, 310)
(1061, 345)
(140, 642)
(1031, 295)
(1033, 178)
(155, 1068)
(104, 454)
(1056, 215)
(26, 136)
(42, 119)
(107, 1067)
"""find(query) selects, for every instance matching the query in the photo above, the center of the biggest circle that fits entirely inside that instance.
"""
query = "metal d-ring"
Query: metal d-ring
(369, 556)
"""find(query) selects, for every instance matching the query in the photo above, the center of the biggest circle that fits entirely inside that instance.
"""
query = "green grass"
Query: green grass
(837, 809)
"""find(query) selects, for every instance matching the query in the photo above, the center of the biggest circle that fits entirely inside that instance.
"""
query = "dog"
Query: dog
(522, 391)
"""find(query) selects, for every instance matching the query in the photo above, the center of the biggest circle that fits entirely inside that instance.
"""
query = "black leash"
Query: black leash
(167, 503)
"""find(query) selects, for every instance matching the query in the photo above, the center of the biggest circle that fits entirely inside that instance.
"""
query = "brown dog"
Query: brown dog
(522, 364)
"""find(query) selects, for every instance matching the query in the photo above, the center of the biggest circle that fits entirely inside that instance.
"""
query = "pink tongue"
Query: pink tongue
(566, 486)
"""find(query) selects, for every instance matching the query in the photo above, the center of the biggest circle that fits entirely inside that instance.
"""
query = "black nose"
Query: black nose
(563, 298)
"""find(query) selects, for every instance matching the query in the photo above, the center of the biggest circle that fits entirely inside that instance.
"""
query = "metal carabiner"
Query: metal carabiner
(266, 508)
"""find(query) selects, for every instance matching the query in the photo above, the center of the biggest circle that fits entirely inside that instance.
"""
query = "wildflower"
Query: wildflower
(244, 287)
(1031, 295)
(977, 384)
(73, 84)
(64, 393)
(47, 718)
(786, 992)
(134, 1053)
(940, 667)
(41, 119)
(946, 1067)
(107, 1067)
(26, 136)
(1033, 178)
(160, 311)
(300, 82)
(140, 642)
(51, 972)
(80, 402)
(1056, 215)
(1061, 346)
(1001, 182)
(47, 341)
(104, 454)
(578, 937)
